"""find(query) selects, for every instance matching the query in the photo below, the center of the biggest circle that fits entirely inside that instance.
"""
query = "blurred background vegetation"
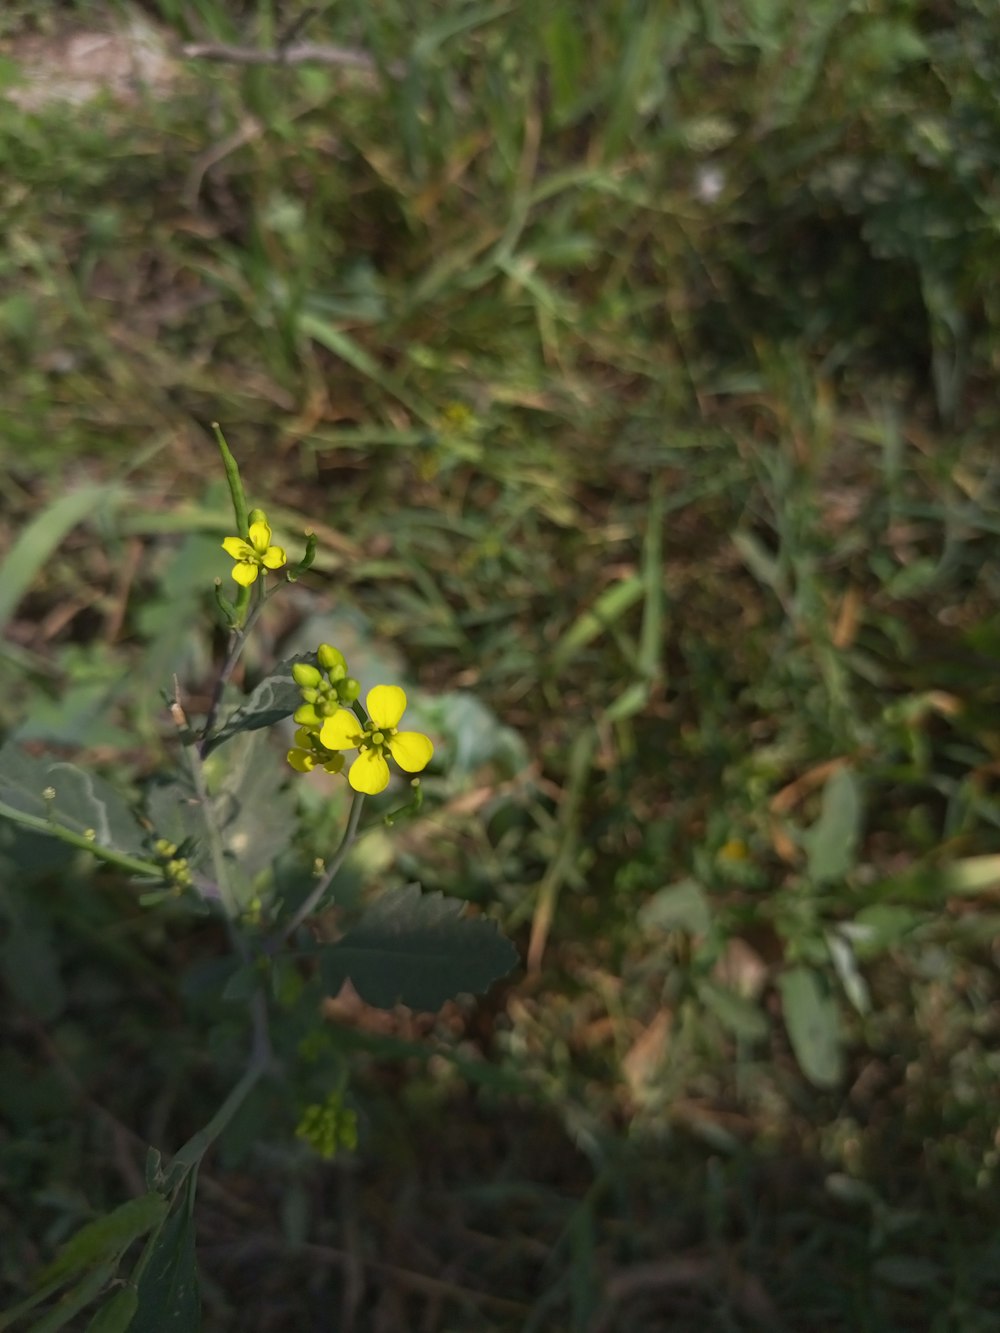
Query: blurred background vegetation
(636, 364)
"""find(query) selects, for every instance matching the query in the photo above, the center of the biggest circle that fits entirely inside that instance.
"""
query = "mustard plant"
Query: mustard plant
(196, 843)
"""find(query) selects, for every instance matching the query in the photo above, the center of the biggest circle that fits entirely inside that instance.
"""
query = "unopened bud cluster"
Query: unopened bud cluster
(176, 870)
(328, 1126)
(324, 688)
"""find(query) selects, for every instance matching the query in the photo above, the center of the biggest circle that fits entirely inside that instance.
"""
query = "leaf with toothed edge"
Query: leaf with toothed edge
(419, 950)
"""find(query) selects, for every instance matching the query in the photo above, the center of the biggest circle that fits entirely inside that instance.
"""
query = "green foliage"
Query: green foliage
(635, 366)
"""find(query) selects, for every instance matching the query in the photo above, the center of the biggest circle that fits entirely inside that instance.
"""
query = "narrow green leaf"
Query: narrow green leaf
(115, 1315)
(832, 842)
(105, 1238)
(343, 345)
(813, 1025)
(40, 538)
(609, 606)
(168, 1299)
(70, 1305)
(417, 949)
(736, 1013)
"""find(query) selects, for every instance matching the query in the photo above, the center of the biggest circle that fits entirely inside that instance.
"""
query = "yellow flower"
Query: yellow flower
(369, 773)
(253, 555)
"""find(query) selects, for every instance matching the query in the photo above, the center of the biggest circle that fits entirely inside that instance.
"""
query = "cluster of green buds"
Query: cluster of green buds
(176, 870)
(328, 1126)
(325, 688)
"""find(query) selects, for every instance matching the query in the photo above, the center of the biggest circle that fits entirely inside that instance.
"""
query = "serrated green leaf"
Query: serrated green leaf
(168, 1299)
(81, 801)
(680, 906)
(115, 1315)
(832, 842)
(813, 1025)
(105, 1238)
(417, 949)
(275, 698)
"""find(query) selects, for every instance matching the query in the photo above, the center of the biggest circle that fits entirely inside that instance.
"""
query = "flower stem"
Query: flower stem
(107, 854)
(339, 857)
(236, 645)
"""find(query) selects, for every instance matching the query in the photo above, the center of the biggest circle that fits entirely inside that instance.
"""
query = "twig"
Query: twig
(339, 856)
(238, 643)
(297, 53)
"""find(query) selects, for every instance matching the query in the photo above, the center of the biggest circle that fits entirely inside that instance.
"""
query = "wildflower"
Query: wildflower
(307, 754)
(369, 773)
(255, 554)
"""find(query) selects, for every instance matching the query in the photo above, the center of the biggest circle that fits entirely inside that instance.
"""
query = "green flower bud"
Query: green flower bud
(349, 689)
(330, 658)
(305, 675)
(307, 716)
(256, 516)
(310, 696)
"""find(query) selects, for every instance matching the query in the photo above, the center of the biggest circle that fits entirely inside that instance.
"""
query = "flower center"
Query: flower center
(375, 737)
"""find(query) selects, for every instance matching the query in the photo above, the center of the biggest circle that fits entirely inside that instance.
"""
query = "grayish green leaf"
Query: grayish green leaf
(79, 801)
(680, 906)
(832, 842)
(813, 1025)
(274, 699)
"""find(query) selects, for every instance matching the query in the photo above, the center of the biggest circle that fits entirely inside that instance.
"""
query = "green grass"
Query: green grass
(636, 366)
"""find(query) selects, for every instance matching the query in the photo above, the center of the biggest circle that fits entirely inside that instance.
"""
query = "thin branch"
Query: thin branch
(340, 855)
(296, 53)
(237, 644)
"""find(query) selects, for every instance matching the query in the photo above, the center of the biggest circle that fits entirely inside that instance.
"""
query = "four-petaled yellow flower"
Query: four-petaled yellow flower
(254, 555)
(369, 773)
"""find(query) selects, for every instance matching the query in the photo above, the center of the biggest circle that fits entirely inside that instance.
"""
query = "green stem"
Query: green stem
(194, 1150)
(215, 847)
(39, 825)
(236, 646)
(340, 855)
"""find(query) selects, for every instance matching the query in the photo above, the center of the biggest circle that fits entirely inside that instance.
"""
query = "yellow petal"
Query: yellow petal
(334, 764)
(342, 731)
(274, 557)
(411, 750)
(260, 537)
(244, 573)
(386, 705)
(369, 773)
(237, 548)
(301, 760)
